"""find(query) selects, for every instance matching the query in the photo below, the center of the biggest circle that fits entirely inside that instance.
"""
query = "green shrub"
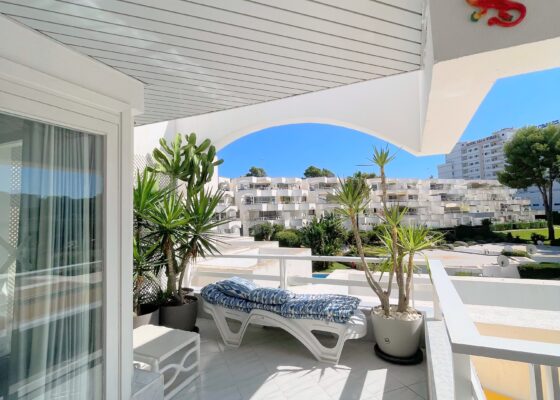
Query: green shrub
(515, 253)
(288, 238)
(265, 232)
(555, 242)
(463, 273)
(540, 271)
(535, 237)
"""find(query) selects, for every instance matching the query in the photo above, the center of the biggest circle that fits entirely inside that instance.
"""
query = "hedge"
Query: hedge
(519, 225)
(515, 253)
(288, 238)
(540, 271)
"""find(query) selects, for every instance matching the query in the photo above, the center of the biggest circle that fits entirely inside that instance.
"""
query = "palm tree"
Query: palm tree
(399, 243)
(382, 157)
(354, 196)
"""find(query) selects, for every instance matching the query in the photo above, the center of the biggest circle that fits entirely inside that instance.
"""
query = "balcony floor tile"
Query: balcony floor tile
(270, 364)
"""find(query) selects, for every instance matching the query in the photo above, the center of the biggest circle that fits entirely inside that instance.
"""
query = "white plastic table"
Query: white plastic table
(172, 352)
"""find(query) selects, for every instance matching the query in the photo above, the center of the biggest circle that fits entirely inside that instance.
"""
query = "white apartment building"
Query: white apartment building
(477, 159)
(276, 200)
(293, 202)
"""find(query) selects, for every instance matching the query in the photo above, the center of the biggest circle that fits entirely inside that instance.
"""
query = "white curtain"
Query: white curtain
(56, 341)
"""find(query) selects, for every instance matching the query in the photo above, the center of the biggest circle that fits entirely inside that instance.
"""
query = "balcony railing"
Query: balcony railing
(466, 341)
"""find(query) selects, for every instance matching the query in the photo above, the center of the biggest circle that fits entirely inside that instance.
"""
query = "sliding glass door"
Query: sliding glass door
(52, 256)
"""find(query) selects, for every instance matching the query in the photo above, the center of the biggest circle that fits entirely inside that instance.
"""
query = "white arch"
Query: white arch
(386, 108)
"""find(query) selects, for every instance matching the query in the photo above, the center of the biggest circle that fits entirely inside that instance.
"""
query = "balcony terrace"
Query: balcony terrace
(482, 335)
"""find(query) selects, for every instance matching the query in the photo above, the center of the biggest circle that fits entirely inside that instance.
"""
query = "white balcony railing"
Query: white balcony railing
(466, 341)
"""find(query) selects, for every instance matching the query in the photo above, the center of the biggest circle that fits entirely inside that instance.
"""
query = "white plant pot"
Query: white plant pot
(396, 337)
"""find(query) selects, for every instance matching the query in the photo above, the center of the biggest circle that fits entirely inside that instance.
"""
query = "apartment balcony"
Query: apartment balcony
(273, 192)
(481, 334)
(296, 206)
(260, 207)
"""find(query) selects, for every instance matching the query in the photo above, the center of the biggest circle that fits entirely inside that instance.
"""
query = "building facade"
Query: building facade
(437, 203)
(477, 159)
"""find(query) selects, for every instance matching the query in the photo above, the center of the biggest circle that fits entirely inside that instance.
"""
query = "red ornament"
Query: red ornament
(503, 7)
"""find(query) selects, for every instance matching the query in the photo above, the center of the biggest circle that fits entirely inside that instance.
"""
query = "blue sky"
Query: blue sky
(287, 150)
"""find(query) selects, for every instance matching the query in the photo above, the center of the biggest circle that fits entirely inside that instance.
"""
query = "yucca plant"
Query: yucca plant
(179, 222)
(400, 243)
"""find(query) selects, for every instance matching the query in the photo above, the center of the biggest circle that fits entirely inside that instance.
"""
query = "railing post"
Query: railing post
(283, 274)
(535, 382)
(552, 383)
(462, 376)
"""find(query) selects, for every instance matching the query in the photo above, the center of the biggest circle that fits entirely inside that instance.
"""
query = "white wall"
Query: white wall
(503, 292)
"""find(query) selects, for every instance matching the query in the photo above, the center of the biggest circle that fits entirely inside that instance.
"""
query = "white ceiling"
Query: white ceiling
(201, 56)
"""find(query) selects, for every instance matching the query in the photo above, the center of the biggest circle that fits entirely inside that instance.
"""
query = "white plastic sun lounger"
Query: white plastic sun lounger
(301, 329)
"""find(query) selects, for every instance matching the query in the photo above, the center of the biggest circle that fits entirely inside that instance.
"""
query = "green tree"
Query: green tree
(256, 172)
(265, 232)
(533, 159)
(315, 172)
(288, 238)
(364, 175)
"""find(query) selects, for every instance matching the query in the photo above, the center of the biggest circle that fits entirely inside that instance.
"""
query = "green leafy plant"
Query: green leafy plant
(324, 236)
(265, 231)
(399, 244)
(176, 225)
(515, 253)
(187, 161)
(535, 238)
(288, 238)
(544, 270)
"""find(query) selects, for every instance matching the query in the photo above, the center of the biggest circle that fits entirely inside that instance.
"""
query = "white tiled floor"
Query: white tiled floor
(270, 364)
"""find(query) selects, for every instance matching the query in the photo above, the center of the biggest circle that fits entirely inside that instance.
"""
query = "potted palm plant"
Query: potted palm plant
(181, 221)
(397, 327)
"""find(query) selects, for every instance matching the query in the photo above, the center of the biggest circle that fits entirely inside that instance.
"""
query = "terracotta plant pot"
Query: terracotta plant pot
(149, 315)
(182, 316)
(396, 337)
